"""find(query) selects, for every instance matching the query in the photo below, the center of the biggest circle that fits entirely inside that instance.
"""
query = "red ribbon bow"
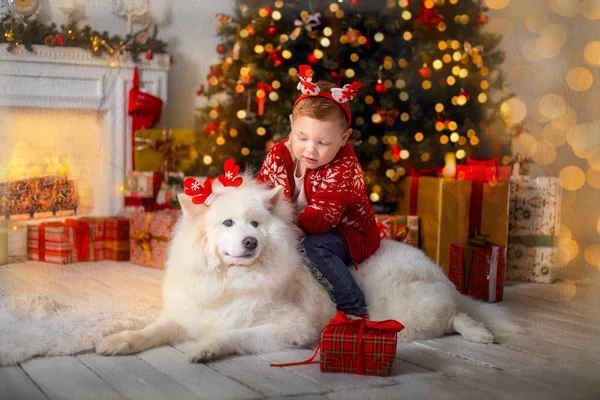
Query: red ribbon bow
(263, 89)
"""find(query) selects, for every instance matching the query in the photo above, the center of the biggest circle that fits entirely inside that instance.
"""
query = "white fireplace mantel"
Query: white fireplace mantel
(72, 78)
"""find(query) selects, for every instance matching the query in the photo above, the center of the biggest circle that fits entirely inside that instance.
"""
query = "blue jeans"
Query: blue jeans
(329, 253)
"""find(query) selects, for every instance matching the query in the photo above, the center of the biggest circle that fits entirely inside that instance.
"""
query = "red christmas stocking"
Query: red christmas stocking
(144, 108)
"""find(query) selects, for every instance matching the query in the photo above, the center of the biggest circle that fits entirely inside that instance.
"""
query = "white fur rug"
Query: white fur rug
(38, 326)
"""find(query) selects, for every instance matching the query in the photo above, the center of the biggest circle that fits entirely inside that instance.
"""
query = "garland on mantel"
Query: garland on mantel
(24, 32)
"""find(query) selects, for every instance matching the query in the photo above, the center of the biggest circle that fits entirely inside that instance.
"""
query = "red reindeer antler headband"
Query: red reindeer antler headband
(203, 194)
(337, 95)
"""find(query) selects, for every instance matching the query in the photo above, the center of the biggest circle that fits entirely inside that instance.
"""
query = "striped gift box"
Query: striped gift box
(116, 239)
(52, 243)
(96, 224)
(150, 234)
(478, 272)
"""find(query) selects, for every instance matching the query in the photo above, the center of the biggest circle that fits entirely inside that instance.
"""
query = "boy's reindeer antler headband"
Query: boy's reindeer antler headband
(203, 194)
(337, 95)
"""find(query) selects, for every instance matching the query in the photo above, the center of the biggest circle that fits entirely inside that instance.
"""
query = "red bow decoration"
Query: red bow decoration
(201, 194)
(389, 116)
(215, 127)
(231, 171)
(429, 16)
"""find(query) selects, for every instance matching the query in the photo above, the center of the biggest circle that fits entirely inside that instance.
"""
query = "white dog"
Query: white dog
(236, 283)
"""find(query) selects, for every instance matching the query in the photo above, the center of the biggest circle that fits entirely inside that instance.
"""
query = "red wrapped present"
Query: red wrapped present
(59, 242)
(478, 271)
(96, 225)
(141, 190)
(356, 346)
(149, 237)
(401, 228)
(116, 239)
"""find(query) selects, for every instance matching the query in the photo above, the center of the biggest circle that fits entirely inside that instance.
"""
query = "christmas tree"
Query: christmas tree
(431, 85)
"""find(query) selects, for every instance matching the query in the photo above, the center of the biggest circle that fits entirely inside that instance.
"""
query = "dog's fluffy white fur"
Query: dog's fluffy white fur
(242, 287)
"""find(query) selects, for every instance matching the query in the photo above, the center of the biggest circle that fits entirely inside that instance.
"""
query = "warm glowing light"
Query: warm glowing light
(276, 15)
(378, 37)
(407, 36)
(591, 53)
(482, 97)
(592, 255)
(451, 80)
(460, 154)
(404, 154)
(439, 107)
(403, 96)
(350, 73)
(245, 151)
(220, 141)
(318, 54)
(273, 96)
(513, 110)
(207, 160)
(438, 64)
(454, 137)
(497, 4)
(552, 106)
(325, 42)
(524, 145)
(261, 131)
(580, 79)
(426, 85)
(406, 15)
(545, 153)
(241, 114)
(593, 178)
(553, 135)
(572, 178)
(444, 139)
(564, 8)
(425, 157)
(327, 31)
(551, 40)
(419, 136)
(374, 197)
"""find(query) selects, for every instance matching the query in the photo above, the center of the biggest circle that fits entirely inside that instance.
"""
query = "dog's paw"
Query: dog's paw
(201, 356)
(118, 344)
(479, 335)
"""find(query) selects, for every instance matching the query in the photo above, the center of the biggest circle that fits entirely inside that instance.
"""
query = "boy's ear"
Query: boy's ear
(291, 119)
(346, 135)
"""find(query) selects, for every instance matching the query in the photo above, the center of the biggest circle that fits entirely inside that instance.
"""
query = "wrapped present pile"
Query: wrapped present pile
(159, 159)
(401, 228)
(535, 205)
(38, 195)
(451, 209)
(356, 346)
(78, 240)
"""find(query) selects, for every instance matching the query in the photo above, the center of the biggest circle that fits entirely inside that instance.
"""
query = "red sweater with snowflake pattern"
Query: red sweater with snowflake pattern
(336, 196)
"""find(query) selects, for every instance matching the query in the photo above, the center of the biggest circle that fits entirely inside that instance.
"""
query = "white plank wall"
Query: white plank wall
(558, 358)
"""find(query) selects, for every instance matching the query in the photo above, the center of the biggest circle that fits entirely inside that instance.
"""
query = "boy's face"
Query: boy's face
(315, 143)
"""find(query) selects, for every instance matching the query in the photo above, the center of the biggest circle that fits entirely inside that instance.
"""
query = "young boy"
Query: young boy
(320, 172)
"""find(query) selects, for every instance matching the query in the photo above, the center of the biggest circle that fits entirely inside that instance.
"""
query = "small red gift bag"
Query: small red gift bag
(478, 271)
(356, 346)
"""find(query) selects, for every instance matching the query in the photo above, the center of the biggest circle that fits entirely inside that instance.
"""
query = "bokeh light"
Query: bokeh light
(553, 135)
(551, 40)
(524, 145)
(591, 53)
(497, 4)
(564, 8)
(536, 23)
(545, 153)
(592, 255)
(513, 110)
(572, 178)
(552, 106)
(593, 178)
(580, 79)
(590, 9)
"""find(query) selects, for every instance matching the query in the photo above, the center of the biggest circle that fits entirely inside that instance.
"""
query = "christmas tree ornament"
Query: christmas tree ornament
(262, 89)
(308, 22)
(265, 12)
(272, 30)
(149, 55)
(221, 48)
(380, 87)
(50, 41)
(463, 97)
(312, 59)
(276, 57)
(428, 15)
(483, 19)
(425, 71)
(475, 52)
(24, 8)
(223, 20)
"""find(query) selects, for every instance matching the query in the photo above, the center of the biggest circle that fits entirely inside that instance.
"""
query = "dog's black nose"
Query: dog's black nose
(250, 242)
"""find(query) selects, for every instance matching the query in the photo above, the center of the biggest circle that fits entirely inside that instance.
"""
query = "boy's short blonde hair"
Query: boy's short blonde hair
(321, 108)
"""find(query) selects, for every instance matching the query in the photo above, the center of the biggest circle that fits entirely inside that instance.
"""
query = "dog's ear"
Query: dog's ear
(189, 208)
(274, 198)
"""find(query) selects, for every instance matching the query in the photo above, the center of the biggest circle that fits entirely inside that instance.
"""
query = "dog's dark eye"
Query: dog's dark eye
(228, 222)
(254, 224)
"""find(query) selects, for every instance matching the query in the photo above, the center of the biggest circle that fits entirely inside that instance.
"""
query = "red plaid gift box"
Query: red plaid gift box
(401, 228)
(356, 346)
(96, 225)
(478, 271)
(59, 242)
(116, 240)
(150, 234)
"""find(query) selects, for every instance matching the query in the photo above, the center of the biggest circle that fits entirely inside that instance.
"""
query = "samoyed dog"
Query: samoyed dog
(235, 282)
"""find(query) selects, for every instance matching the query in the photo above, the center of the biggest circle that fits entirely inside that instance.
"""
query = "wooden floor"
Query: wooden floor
(558, 359)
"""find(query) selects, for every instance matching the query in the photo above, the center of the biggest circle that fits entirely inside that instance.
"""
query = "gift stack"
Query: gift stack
(452, 209)
(150, 233)
(535, 205)
(76, 240)
(401, 228)
(356, 346)
(159, 159)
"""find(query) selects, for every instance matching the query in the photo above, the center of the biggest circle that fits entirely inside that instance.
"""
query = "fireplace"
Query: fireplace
(63, 116)
(64, 128)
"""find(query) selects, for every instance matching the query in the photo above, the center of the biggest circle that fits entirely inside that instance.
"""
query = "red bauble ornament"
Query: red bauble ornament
(271, 30)
(149, 55)
(483, 19)
(268, 11)
(221, 48)
(276, 58)
(59, 40)
(380, 88)
(312, 59)
(425, 71)
(396, 150)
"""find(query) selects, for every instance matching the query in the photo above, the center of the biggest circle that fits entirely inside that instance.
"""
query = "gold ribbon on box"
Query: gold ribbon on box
(164, 150)
(143, 238)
